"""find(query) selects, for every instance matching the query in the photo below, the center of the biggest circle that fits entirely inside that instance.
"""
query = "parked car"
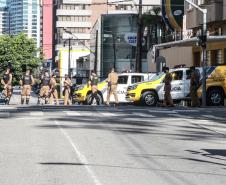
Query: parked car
(149, 93)
(82, 93)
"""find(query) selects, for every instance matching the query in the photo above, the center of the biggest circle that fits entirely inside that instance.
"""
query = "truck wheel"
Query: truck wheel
(149, 98)
(215, 97)
(88, 100)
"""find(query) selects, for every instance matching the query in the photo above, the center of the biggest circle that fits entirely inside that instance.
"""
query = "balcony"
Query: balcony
(77, 1)
(69, 24)
(74, 12)
(214, 13)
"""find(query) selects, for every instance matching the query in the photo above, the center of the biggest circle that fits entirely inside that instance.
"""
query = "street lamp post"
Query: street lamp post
(204, 54)
(69, 57)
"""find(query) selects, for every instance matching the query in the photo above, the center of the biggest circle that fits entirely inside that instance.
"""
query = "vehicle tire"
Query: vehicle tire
(215, 97)
(149, 98)
(88, 99)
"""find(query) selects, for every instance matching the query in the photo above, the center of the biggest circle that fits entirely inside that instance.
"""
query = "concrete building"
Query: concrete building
(216, 21)
(24, 16)
(47, 29)
(79, 16)
(187, 52)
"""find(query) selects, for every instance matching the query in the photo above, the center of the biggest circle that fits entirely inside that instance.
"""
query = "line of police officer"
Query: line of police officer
(48, 91)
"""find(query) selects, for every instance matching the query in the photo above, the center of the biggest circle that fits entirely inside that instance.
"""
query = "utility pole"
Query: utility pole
(96, 52)
(69, 57)
(114, 49)
(139, 40)
(203, 45)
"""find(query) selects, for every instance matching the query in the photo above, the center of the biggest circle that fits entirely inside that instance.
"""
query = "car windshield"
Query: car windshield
(157, 76)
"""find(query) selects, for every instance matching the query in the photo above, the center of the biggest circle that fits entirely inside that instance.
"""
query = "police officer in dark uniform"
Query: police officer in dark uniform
(93, 81)
(168, 101)
(194, 85)
(7, 84)
(45, 87)
(26, 82)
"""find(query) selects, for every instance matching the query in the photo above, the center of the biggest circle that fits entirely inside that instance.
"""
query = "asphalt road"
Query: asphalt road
(112, 146)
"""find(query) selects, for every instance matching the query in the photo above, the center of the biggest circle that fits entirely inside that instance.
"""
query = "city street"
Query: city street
(90, 145)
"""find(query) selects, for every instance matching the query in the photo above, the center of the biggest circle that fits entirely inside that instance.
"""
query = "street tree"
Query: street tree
(19, 50)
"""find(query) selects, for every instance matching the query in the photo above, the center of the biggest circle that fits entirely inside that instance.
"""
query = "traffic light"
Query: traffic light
(202, 39)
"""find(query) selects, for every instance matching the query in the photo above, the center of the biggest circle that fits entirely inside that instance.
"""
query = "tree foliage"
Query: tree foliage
(18, 50)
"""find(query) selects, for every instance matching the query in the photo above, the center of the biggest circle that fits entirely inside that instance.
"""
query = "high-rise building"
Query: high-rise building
(24, 16)
(47, 29)
(4, 21)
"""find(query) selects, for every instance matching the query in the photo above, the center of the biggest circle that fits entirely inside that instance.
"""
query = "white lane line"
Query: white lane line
(187, 110)
(143, 115)
(108, 114)
(180, 116)
(163, 111)
(28, 118)
(39, 113)
(72, 113)
(80, 156)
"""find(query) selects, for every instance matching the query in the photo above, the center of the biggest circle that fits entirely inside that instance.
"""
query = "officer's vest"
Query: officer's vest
(45, 81)
(27, 80)
(6, 78)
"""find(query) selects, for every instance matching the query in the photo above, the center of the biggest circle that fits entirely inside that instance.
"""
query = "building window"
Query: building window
(219, 57)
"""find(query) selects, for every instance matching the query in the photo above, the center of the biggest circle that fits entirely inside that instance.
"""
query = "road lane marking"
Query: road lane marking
(108, 114)
(187, 110)
(39, 113)
(163, 111)
(143, 115)
(72, 113)
(80, 156)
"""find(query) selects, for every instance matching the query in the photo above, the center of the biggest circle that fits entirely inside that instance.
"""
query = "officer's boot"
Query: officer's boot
(27, 101)
(22, 101)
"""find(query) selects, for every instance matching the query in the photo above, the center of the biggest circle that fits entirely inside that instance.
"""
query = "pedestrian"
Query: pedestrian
(26, 83)
(168, 101)
(67, 90)
(112, 86)
(93, 81)
(194, 85)
(7, 84)
(45, 90)
(53, 90)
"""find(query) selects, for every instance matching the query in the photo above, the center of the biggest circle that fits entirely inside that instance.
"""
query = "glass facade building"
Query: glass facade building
(116, 43)
(24, 16)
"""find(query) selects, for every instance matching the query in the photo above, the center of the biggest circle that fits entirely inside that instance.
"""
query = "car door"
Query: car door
(123, 81)
(177, 85)
(187, 83)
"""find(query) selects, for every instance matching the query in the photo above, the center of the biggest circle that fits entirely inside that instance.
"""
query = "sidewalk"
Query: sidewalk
(16, 98)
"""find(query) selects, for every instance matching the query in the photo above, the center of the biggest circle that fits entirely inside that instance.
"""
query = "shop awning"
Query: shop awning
(189, 42)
